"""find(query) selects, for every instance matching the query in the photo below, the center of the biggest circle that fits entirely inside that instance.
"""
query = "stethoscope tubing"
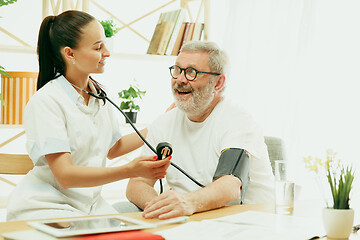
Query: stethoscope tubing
(138, 133)
(152, 149)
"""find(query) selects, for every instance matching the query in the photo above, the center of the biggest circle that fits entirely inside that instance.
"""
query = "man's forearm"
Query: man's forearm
(140, 192)
(215, 195)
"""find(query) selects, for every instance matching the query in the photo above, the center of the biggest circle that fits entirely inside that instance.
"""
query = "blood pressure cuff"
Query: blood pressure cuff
(236, 162)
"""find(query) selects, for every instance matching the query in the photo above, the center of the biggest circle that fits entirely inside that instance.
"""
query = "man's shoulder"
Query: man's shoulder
(229, 109)
(168, 118)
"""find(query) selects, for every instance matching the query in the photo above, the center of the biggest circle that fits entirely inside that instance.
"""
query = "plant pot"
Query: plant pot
(110, 44)
(338, 223)
(132, 116)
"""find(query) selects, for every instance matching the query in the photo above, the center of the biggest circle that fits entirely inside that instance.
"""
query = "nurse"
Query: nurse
(69, 133)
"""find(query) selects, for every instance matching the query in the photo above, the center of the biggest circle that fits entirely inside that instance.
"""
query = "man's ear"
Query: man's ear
(68, 55)
(220, 83)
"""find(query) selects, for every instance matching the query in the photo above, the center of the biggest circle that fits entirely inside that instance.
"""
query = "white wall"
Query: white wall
(321, 85)
(296, 70)
(23, 19)
(151, 72)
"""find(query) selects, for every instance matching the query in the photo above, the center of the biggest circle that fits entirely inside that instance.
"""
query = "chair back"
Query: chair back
(19, 164)
(276, 151)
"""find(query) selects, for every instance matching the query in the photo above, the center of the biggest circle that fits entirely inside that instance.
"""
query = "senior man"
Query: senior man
(213, 140)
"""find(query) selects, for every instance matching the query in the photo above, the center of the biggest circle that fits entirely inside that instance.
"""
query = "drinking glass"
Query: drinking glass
(284, 189)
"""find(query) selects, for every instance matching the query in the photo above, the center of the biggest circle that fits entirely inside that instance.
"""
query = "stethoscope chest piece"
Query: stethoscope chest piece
(163, 150)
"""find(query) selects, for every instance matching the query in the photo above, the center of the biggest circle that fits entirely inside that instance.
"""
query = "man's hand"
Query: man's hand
(169, 204)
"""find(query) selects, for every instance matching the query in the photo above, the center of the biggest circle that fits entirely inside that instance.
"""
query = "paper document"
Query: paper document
(247, 225)
(208, 229)
(308, 227)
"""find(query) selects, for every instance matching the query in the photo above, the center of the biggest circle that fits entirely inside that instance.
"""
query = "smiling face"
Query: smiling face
(194, 97)
(90, 54)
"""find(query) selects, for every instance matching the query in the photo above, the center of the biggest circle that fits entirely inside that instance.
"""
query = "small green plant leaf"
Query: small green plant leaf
(340, 179)
(130, 94)
(2, 100)
(6, 2)
(124, 105)
(110, 27)
(3, 72)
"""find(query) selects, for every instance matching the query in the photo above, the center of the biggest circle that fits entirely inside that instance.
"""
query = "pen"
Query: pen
(355, 229)
(182, 219)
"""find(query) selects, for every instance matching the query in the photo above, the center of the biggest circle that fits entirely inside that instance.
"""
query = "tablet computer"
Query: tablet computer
(88, 225)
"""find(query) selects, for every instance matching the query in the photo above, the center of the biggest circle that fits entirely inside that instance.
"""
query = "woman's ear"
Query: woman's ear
(220, 83)
(68, 55)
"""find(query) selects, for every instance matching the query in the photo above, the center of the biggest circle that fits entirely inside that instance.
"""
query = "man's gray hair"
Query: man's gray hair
(218, 59)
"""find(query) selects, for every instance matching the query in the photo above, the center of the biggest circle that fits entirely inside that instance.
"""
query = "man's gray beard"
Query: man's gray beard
(199, 101)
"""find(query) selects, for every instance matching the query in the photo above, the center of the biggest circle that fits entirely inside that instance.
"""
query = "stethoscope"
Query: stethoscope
(163, 149)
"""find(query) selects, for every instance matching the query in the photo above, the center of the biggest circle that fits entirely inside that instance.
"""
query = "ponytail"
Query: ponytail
(45, 53)
(55, 33)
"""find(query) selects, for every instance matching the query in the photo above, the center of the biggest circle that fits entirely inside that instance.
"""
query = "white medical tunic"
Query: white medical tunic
(197, 148)
(56, 120)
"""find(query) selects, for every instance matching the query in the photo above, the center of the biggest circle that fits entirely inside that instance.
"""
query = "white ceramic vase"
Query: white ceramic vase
(338, 223)
(110, 44)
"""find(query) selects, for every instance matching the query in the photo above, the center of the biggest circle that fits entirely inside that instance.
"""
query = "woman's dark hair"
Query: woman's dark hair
(57, 32)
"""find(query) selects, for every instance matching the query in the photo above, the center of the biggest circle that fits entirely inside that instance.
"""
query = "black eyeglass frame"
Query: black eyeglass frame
(185, 74)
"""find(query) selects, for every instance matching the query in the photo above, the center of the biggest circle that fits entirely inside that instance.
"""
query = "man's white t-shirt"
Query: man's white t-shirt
(56, 120)
(197, 147)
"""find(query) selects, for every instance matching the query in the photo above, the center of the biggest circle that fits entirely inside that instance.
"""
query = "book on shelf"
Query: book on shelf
(168, 24)
(178, 41)
(185, 34)
(189, 32)
(171, 32)
(163, 42)
(176, 31)
(198, 29)
(154, 43)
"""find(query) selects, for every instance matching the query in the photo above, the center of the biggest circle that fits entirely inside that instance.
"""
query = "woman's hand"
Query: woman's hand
(149, 167)
(70, 176)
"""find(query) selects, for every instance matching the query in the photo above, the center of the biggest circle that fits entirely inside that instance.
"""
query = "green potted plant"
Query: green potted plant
(110, 29)
(130, 95)
(338, 218)
(7, 2)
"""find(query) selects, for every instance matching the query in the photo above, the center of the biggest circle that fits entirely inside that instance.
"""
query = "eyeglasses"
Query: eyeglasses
(190, 73)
